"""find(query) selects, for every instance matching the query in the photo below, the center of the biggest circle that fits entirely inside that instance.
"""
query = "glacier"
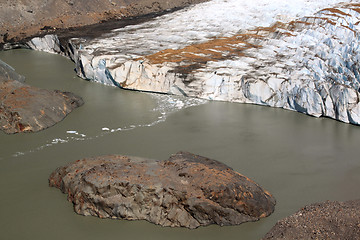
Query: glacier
(299, 55)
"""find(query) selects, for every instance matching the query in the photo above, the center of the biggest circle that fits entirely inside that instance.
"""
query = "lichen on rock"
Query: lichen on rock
(24, 108)
(186, 190)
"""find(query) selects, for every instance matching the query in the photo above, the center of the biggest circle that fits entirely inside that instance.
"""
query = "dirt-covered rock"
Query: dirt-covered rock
(24, 108)
(23, 18)
(327, 220)
(186, 190)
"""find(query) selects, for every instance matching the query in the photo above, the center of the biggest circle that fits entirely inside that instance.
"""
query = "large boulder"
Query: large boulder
(186, 190)
(327, 220)
(29, 109)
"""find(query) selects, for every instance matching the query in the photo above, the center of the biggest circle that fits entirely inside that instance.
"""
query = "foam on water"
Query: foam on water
(196, 24)
(166, 105)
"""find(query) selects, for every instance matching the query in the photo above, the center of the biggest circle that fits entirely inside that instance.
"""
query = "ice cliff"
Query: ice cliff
(302, 56)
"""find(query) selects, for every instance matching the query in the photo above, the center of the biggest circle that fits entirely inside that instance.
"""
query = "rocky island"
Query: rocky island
(303, 58)
(186, 190)
(24, 108)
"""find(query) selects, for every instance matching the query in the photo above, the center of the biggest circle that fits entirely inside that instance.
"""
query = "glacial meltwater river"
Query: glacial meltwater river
(299, 159)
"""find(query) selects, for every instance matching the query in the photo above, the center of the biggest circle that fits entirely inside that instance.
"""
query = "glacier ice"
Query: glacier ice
(298, 55)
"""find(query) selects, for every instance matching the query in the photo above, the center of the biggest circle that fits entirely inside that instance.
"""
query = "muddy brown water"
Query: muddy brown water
(299, 159)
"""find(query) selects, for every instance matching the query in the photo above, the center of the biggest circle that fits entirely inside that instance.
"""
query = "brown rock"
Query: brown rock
(327, 220)
(24, 18)
(29, 109)
(185, 191)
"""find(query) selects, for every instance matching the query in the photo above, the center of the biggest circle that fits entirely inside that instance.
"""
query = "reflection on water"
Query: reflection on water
(299, 159)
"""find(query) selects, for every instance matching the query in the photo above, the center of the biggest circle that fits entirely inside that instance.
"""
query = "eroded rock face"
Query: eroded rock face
(327, 220)
(184, 191)
(29, 109)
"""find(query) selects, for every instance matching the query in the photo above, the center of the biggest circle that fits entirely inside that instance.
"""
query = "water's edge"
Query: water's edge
(315, 81)
(300, 160)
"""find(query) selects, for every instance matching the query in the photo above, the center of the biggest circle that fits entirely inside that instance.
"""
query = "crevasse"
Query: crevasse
(298, 55)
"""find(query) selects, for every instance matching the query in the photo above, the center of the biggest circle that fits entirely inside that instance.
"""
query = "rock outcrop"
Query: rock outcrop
(184, 191)
(24, 18)
(29, 109)
(327, 220)
(309, 64)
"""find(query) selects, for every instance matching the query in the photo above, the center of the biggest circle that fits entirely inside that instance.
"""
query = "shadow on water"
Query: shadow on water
(299, 159)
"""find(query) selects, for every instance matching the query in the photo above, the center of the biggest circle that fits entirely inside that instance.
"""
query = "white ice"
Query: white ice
(198, 24)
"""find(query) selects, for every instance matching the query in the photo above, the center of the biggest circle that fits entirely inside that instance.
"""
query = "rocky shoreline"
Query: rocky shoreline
(326, 220)
(319, 79)
(21, 20)
(29, 109)
(24, 108)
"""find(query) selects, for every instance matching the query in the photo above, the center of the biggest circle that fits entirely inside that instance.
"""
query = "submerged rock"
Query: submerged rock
(327, 220)
(7, 72)
(186, 190)
(29, 109)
